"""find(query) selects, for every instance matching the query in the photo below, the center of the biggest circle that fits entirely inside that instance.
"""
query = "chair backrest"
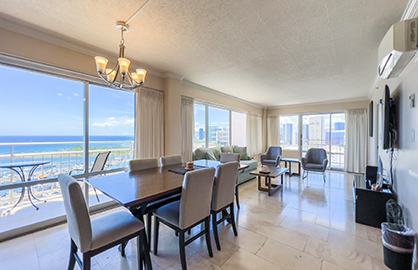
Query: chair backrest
(170, 160)
(273, 152)
(100, 162)
(224, 187)
(143, 164)
(316, 155)
(78, 217)
(196, 196)
(228, 157)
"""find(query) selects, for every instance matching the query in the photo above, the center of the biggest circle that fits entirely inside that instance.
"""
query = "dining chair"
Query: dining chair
(171, 160)
(223, 197)
(98, 165)
(192, 209)
(92, 237)
(143, 164)
(230, 157)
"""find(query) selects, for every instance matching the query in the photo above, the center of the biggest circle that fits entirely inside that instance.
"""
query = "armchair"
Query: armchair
(272, 157)
(314, 161)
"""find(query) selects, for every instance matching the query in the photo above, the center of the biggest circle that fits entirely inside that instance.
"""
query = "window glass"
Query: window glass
(289, 132)
(337, 136)
(199, 126)
(238, 128)
(218, 127)
(314, 129)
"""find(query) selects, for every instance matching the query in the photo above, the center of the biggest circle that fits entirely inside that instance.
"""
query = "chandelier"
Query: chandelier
(120, 77)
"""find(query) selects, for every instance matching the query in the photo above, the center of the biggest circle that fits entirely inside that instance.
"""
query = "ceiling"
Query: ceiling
(271, 53)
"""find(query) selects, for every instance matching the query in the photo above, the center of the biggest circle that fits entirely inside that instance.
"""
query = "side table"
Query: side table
(290, 161)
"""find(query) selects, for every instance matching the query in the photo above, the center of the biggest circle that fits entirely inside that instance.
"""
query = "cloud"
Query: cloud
(115, 122)
(59, 94)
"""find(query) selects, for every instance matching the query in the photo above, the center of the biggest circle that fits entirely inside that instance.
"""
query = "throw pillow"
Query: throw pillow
(210, 155)
(217, 152)
(201, 153)
(242, 151)
(227, 149)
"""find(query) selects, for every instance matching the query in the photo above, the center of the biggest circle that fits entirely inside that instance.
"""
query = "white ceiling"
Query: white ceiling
(269, 52)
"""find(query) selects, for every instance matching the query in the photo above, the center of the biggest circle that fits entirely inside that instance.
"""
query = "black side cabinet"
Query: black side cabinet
(370, 205)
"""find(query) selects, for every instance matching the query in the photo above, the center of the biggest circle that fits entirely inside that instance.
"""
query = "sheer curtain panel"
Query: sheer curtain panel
(273, 130)
(187, 128)
(149, 129)
(254, 134)
(356, 140)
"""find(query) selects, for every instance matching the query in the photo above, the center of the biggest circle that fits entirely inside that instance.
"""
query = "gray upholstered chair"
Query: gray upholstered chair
(98, 235)
(314, 161)
(143, 164)
(230, 157)
(272, 157)
(171, 160)
(223, 197)
(192, 209)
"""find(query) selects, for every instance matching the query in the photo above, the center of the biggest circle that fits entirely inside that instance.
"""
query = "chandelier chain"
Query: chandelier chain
(122, 39)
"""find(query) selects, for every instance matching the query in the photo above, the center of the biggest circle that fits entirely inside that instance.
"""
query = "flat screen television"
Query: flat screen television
(389, 131)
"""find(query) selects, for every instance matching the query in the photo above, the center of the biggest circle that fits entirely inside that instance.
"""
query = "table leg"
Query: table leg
(259, 183)
(299, 168)
(20, 199)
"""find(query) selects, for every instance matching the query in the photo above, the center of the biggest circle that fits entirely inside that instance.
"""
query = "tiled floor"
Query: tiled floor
(307, 225)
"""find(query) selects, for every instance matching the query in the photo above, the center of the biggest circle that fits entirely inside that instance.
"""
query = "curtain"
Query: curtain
(149, 129)
(254, 134)
(356, 140)
(273, 130)
(187, 128)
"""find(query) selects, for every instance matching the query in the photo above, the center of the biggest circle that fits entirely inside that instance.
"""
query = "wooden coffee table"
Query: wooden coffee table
(274, 172)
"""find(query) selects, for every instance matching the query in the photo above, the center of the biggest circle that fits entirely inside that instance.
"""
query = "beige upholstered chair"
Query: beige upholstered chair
(223, 197)
(143, 164)
(230, 157)
(192, 209)
(98, 235)
(171, 160)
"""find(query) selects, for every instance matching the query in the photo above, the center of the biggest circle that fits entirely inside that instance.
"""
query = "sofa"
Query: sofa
(214, 153)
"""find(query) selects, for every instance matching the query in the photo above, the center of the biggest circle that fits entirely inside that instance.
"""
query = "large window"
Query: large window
(216, 127)
(289, 132)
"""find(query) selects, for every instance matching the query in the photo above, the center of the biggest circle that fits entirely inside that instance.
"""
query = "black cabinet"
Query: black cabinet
(370, 205)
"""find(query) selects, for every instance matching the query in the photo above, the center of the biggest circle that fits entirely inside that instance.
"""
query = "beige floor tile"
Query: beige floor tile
(346, 226)
(298, 215)
(28, 260)
(244, 260)
(286, 236)
(285, 257)
(19, 246)
(338, 255)
(379, 264)
(306, 228)
(195, 261)
(255, 217)
(246, 239)
(52, 239)
(329, 266)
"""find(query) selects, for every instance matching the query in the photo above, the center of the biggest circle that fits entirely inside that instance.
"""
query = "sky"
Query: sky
(37, 104)
(217, 117)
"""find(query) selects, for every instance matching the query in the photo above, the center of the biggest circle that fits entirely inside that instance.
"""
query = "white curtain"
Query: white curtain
(149, 129)
(254, 134)
(355, 140)
(273, 130)
(187, 128)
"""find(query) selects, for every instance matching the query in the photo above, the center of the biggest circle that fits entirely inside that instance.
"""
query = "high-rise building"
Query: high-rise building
(201, 134)
(339, 126)
(316, 132)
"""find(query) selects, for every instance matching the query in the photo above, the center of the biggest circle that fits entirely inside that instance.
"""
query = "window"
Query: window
(289, 132)
(238, 128)
(112, 122)
(218, 127)
(200, 126)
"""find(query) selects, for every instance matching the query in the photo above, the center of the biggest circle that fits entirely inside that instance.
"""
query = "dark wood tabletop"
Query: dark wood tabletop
(273, 171)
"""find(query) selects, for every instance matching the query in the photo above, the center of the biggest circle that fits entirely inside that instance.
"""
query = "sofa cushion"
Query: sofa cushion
(217, 152)
(210, 154)
(253, 164)
(227, 149)
(200, 153)
(242, 151)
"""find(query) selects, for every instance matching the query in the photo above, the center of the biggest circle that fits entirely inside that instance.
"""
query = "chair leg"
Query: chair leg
(86, 261)
(140, 252)
(145, 251)
(207, 236)
(122, 248)
(231, 211)
(156, 232)
(182, 249)
(215, 230)
(324, 177)
(149, 222)
(305, 174)
(237, 196)
(73, 251)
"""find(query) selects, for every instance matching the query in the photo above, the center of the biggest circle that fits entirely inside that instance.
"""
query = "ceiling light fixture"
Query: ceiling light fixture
(116, 77)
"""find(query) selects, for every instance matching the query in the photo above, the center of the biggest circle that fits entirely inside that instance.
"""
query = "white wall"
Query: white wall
(405, 166)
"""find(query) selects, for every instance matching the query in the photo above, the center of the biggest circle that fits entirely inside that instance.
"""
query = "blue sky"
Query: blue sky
(217, 117)
(36, 104)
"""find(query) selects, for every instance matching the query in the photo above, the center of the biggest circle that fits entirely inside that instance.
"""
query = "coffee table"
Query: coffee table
(274, 172)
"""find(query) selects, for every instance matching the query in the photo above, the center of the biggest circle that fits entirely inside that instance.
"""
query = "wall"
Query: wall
(405, 167)
(315, 108)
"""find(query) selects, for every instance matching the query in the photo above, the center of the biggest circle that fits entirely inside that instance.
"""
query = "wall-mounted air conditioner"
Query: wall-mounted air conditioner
(397, 48)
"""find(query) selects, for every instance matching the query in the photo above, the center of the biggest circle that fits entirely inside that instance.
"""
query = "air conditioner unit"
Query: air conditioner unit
(397, 48)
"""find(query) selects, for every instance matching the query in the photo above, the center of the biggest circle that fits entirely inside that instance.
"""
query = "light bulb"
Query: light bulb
(101, 64)
(142, 74)
(124, 65)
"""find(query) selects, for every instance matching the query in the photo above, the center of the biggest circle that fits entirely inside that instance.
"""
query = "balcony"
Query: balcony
(44, 185)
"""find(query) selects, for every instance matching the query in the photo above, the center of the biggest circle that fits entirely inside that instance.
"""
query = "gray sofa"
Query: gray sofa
(214, 153)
